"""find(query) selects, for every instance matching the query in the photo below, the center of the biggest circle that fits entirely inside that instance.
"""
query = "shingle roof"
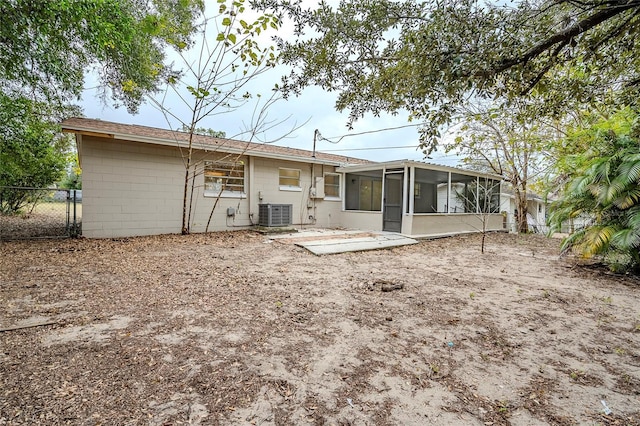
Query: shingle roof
(164, 136)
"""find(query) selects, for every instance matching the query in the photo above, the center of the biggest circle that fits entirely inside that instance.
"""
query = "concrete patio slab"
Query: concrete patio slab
(322, 242)
(321, 233)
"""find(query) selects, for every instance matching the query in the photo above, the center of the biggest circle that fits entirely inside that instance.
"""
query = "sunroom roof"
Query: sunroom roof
(400, 164)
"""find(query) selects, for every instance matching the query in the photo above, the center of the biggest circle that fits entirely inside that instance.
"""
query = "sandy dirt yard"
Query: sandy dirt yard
(233, 329)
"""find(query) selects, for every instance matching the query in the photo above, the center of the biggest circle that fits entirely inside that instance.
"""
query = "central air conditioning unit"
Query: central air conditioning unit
(275, 214)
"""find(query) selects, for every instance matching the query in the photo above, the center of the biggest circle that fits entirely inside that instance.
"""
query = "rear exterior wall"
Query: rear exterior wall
(133, 189)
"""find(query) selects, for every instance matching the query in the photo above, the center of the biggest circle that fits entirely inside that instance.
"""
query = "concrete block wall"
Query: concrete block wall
(129, 189)
(356, 219)
(133, 188)
(306, 211)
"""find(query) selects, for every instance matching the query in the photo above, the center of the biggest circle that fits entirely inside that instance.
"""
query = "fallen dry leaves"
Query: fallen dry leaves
(229, 328)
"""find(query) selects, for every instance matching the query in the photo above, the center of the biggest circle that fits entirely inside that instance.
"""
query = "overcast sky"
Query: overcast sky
(314, 107)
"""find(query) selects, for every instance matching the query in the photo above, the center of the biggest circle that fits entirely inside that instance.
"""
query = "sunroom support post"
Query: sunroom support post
(449, 193)
(407, 191)
(477, 194)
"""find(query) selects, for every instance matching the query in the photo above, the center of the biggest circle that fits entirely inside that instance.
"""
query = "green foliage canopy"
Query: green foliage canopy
(428, 58)
(47, 46)
(32, 152)
(605, 192)
(495, 140)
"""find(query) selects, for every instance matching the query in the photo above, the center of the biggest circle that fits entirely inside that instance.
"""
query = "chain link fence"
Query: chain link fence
(27, 213)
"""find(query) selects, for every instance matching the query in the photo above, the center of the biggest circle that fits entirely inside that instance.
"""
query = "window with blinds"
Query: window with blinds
(224, 177)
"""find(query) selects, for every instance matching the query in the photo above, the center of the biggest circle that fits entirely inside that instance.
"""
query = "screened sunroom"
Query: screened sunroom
(417, 198)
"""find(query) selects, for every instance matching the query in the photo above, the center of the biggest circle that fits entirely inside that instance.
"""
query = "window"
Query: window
(464, 190)
(417, 187)
(290, 179)
(364, 191)
(370, 194)
(430, 191)
(224, 178)
(489, 195)
(331, 185)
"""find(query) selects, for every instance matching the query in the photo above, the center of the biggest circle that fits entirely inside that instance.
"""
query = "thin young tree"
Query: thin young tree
(216, 81)
(482, 198)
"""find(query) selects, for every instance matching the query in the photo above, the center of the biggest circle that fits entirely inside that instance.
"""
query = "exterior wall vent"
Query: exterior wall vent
(275, 214)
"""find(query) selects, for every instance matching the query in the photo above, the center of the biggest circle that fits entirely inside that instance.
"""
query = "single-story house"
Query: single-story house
(133, 181)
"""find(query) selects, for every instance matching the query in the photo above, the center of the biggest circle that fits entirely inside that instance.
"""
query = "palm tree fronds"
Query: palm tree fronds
(627, 198)
(604, 191)
(626, 239)
(629, 170)
(598, 238)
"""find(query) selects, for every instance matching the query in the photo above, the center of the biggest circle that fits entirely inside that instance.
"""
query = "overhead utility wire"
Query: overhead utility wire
(367, 149)
(320, 137)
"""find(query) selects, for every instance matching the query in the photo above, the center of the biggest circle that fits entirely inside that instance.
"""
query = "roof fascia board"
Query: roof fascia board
(89, 133)
(371, 167)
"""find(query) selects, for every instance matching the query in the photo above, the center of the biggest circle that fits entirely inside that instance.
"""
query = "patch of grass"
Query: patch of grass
(584, 378)
(502, 407)
(576, 375)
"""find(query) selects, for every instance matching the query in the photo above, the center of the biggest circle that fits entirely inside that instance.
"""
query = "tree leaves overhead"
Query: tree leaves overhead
(47, 46)
(429, 57)
(32, 152)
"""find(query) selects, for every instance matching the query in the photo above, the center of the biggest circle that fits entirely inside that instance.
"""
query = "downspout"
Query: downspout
(250, 183)
(405, 189)
(311, 203)
(311, 200)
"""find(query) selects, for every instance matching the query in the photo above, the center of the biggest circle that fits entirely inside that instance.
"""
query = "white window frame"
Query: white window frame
(332, 197)
(210, 189)
(294, 188)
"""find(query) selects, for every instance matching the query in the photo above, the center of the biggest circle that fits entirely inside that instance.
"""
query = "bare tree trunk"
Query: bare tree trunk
(215, 204)
(185, 219)
(185, 223)
(193, 186)
(521, 218)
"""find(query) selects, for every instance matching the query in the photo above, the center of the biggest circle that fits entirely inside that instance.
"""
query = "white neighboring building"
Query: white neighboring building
(536, 211)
